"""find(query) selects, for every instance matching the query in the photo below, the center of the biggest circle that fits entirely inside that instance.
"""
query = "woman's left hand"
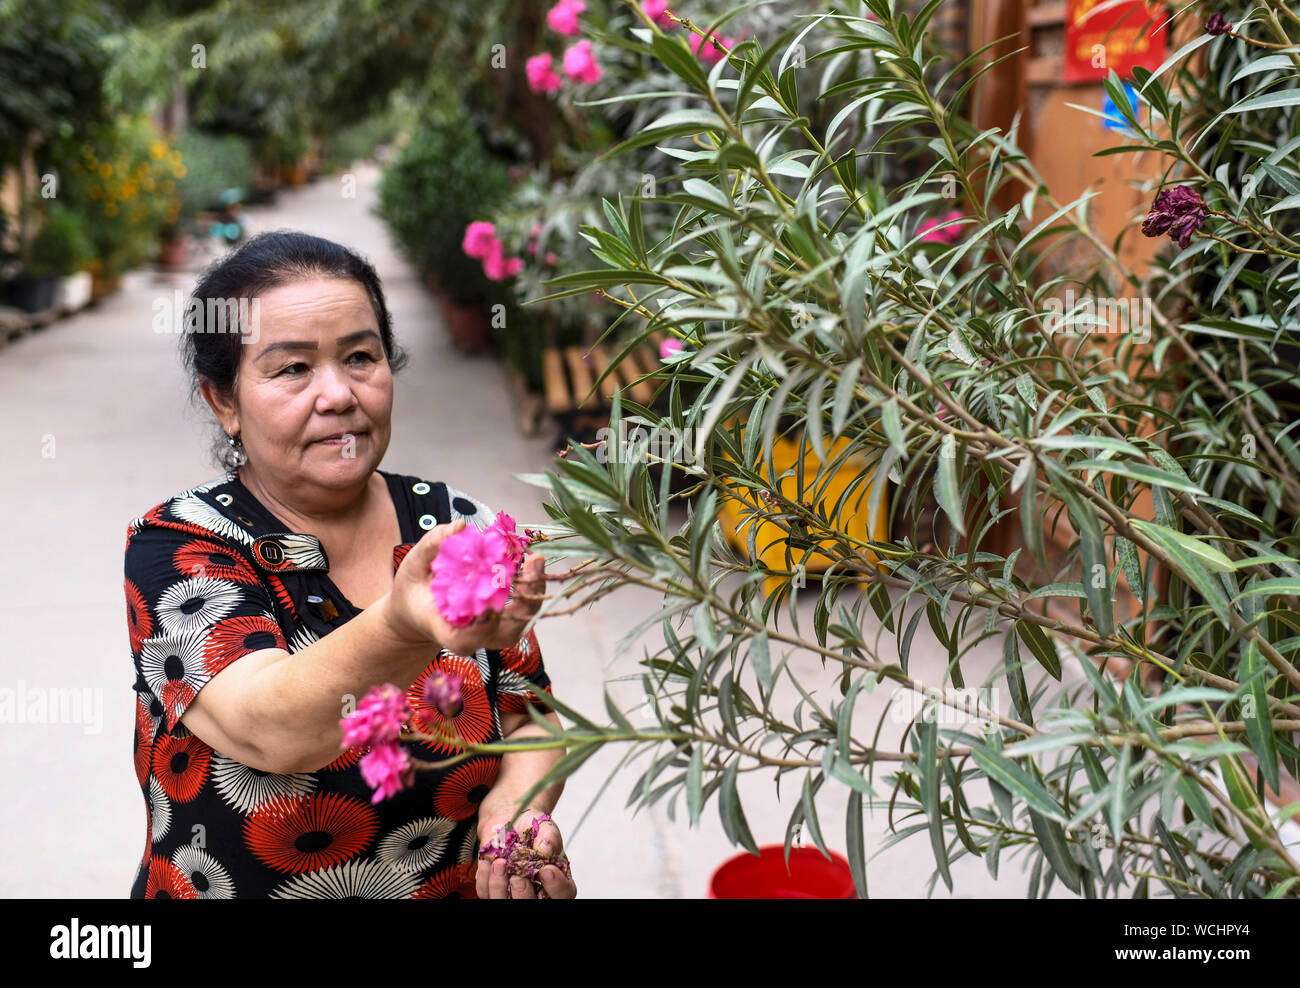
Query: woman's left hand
(491, 881)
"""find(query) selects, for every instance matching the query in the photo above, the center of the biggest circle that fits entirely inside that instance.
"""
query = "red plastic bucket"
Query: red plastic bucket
(810, 876)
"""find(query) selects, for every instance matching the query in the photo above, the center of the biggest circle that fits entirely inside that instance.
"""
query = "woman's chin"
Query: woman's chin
(338, 464)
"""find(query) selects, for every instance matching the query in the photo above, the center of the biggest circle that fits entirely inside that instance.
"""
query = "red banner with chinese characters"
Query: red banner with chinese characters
(1101, 35)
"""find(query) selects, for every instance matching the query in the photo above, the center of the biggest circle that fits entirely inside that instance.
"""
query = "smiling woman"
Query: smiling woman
(264, 603)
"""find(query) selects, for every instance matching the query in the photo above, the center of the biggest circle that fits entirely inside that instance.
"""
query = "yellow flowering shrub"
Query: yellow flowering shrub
(122, 178)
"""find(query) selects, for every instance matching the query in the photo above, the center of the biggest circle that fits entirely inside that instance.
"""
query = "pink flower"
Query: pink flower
(442, 692)
(670, 346)
(580, 65)
(387, 769)
(708, 52)
(563, 17)
(657, 11)
(498, 267)
(945, 231)
(536, 229)
(379, 718)
(550, 257)
(542, 77)
(516, 544)
(532, 247)
(471, 574)
(480, 239)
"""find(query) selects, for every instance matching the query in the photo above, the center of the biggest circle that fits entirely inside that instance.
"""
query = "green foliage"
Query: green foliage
(51, 69)
(62, 246)
(213, 163)
(122, 178)
(441, 181)
(360, 140)
(796, 269)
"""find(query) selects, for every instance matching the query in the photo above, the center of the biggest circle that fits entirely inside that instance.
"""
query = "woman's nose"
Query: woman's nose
(335, 389)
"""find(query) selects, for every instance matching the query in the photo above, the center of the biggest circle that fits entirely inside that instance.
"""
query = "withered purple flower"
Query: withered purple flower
(442, 692)
(1179, 211)
(521, 856)
(1217, 24)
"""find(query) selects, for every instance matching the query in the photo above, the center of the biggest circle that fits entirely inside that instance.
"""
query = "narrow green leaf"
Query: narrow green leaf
(733, 815)
(1015, 780)
(947, 495)
(694, 786)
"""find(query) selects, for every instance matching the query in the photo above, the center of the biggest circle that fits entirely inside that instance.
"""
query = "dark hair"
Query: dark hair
(265, 261)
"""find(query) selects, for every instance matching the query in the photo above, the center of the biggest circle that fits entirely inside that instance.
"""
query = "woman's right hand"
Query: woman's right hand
(413, 616)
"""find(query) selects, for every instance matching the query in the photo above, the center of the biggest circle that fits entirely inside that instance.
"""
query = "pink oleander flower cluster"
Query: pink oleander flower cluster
(481, 242)
(578, 61)
(563, 17)
(521, 856)
(942, 231)
(542, 77)
(377, 724)
(474, 570)
(669, 346)
(580, 64)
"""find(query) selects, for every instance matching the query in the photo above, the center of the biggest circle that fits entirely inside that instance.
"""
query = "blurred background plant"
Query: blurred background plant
(124, 178)
(213, 164)
(63, 244)
(442, 179)
(52, 66)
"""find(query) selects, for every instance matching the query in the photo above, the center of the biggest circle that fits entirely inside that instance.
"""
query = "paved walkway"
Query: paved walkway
(98, 430)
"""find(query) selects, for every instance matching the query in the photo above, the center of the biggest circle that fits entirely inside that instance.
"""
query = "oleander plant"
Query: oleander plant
(852, 262)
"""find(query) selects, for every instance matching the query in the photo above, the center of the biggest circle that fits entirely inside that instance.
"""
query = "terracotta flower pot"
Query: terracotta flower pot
(469, 324)
(102, 284)
(294, 175)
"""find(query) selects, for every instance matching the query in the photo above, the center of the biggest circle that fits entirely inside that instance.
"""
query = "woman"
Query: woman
(264, 604)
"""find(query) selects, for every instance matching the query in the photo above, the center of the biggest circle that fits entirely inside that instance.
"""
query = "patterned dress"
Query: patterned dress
(212, 575)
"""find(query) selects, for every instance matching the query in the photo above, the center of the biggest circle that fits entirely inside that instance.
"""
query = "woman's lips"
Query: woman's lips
(341, 439)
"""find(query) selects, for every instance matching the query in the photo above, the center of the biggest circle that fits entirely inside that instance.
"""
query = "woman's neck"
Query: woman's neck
(342, 510)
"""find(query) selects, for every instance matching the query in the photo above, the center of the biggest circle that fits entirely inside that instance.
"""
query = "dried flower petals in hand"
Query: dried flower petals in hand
(520, 856)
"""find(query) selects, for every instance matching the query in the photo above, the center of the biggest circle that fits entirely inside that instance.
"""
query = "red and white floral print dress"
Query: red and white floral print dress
(212, 575)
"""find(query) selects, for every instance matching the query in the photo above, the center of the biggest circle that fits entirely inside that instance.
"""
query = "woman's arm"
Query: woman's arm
(280, 712)
(519, 770)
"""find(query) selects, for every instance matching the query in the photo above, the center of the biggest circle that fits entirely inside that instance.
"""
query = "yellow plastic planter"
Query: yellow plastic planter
(770, 539)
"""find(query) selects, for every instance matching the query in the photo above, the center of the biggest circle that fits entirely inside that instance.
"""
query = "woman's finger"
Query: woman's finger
(497, 884)
(557, 884)
(521, 888)
(481, 878)
(549, 841)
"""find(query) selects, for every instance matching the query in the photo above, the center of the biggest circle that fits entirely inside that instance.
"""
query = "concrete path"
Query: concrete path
(98, 430)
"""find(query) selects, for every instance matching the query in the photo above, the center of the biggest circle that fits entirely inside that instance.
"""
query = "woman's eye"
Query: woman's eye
(364, 355)
(289, 370)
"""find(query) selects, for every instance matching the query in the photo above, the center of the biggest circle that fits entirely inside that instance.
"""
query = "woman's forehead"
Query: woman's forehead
(315, 299)
(320, 310)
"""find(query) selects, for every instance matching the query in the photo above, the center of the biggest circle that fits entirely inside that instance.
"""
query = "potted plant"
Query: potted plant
(440, 182)
(63, 246)
(806, 281)
(122, 178)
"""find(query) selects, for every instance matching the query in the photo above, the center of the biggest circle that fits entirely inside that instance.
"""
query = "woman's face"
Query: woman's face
(314, 394)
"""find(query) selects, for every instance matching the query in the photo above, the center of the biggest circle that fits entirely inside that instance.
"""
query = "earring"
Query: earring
(237, 455)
